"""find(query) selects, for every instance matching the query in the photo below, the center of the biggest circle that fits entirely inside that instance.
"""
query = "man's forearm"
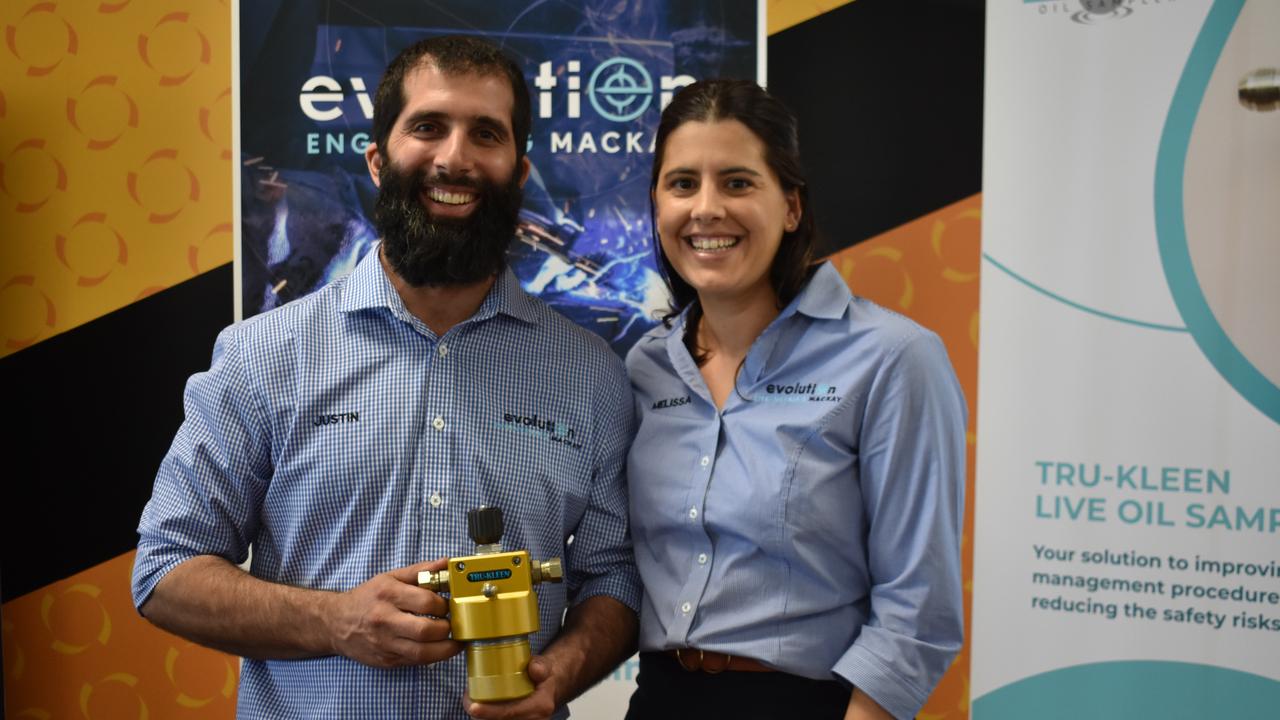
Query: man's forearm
(210, 601)
(598, 633)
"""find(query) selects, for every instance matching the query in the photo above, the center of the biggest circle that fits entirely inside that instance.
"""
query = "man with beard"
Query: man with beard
(345, 436)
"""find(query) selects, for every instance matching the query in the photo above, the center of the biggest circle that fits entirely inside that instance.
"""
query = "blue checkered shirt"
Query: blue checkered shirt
(342, 438)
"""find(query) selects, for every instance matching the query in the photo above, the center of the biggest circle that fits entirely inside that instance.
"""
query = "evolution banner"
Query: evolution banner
(1128, 484)
(599, 73)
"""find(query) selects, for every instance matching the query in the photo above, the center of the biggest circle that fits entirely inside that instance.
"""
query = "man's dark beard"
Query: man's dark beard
(427, 251)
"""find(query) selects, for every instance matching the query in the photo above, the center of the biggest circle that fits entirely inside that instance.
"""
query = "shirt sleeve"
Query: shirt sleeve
(911, 465)
(210, 484)
(600, 559)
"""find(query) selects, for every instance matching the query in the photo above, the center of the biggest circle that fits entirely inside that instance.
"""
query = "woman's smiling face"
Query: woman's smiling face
(720, 209)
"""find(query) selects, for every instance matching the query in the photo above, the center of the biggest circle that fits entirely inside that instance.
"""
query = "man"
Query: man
(345, 436)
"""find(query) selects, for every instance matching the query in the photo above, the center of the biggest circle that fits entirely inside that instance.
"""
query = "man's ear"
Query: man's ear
(525, 167)
(373, 159)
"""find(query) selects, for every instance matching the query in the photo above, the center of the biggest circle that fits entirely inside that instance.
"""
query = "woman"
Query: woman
(797, 479)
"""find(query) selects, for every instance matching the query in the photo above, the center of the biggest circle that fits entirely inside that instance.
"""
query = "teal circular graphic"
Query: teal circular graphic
(1123, 690)
(627, 89)
(1171, 232)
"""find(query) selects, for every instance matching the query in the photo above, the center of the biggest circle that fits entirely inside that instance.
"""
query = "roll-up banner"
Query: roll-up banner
(1128, 485)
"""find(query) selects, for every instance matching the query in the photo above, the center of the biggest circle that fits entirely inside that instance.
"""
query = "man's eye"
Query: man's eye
(738, 184)
(424, 128)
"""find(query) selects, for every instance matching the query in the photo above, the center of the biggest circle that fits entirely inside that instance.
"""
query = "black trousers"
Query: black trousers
(667, 691)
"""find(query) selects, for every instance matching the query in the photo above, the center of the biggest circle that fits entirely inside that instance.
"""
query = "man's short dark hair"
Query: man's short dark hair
(451, 55)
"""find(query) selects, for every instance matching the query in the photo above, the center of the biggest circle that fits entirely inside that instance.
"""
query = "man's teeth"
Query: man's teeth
(450, 198)
(713, 243)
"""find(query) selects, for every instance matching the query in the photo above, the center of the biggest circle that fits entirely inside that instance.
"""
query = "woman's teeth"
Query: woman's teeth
(712, 243)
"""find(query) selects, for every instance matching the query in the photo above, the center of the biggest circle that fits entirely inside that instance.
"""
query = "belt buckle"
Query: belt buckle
(701, 665)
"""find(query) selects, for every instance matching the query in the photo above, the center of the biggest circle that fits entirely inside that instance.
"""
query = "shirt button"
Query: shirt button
(435, 500)
(438, 423)
(443, 350)
(685, 608)
(705, 461)
(702, 558)
(693, 513)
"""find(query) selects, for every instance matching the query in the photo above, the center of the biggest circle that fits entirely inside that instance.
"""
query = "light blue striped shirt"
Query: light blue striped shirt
(814, 524)
(341, 438)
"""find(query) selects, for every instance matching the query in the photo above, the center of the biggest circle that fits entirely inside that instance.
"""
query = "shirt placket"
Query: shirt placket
(443, 421)
(693, 518)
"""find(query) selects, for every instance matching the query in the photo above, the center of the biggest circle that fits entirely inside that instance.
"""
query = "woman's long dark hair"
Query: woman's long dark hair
(775, 125)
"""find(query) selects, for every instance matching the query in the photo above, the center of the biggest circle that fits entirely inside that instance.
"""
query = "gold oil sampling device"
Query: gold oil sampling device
(492, 607)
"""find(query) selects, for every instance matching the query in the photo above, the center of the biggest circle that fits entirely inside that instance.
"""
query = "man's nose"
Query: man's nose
(453, 154)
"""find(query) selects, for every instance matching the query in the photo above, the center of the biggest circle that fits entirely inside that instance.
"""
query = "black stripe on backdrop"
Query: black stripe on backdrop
(92, 412)
(889, 97)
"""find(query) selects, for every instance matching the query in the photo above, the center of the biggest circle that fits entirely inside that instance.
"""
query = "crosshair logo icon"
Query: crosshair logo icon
(626, 87)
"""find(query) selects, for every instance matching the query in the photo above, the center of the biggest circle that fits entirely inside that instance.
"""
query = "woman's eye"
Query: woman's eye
(681, 184)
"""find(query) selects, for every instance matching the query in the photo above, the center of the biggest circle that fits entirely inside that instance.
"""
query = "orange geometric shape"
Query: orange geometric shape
(162, 184)
(120, 249)
(206, 113)
(106, 7)
(193, 251)
(40, 42)
(32, 298)
(113, 694)
(37, 184)
(145, 48)
(2, 105)
(99, 114)
(75, 618)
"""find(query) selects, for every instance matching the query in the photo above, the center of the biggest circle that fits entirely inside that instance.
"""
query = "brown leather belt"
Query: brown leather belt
(695, 660)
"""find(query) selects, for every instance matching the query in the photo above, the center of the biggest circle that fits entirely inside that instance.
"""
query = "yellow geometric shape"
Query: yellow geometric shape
(15, 659)
(46, 612)
(783, 14)
(122, 679)
(33, 714)
(935, 241)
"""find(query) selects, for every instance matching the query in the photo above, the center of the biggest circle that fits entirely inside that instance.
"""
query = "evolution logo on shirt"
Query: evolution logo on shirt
(799, 392)
(553, 430)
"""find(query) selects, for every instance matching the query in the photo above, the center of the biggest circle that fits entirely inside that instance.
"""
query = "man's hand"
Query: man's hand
(380, 622)
(538, 706)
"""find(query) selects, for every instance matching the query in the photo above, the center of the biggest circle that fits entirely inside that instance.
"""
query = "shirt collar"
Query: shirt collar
(825, 296)
(369, 287)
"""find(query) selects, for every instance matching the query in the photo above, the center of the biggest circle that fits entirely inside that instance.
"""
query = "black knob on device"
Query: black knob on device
(484, 525)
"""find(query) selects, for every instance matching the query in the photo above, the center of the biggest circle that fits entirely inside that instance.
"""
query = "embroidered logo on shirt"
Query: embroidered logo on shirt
(799, 392)
(671, 402)
(553, 430)
(347, 417)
